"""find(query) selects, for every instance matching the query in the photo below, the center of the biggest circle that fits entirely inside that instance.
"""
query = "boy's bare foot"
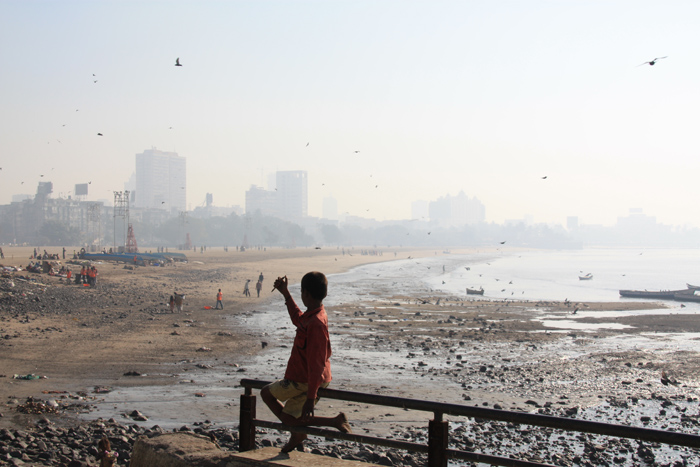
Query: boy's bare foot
(342, 423)
(296, 440)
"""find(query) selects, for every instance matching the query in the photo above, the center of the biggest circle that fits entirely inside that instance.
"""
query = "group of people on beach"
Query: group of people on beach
(258, 286)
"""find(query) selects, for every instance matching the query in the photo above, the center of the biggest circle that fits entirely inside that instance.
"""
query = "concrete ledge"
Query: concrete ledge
(190, 450)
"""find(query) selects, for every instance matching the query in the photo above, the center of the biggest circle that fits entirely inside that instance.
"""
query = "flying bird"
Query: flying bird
(652, 62)
(100, 134)
(307, 144)
(177, 61)
(544, 178)
(503, 242)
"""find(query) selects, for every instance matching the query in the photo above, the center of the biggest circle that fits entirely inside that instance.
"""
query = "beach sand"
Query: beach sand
(81, 338)
(499, 354)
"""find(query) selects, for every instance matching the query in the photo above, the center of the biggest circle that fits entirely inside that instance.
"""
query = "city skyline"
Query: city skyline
(541, 110)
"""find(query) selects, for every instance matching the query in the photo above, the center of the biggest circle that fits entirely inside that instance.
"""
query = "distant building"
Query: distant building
(161, 181)
(260, 200)
(289, 200)
(456, 211)
(292, 194)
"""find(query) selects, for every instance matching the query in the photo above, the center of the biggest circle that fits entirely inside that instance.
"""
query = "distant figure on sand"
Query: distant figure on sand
(261, 278)
(246, 290)
(258, 287)
(309, 366)
(178, 301)
(172, 304)
(219, 298)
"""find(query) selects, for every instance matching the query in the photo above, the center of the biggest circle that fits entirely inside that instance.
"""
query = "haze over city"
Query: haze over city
(536, 108)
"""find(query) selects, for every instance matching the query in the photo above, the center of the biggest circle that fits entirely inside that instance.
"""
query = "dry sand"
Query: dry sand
(80, 338)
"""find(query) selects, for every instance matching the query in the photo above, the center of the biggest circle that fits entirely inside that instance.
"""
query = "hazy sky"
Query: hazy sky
(486, 97)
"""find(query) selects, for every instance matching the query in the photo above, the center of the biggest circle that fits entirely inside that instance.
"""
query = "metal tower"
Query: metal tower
(121, 210)
(131, 246)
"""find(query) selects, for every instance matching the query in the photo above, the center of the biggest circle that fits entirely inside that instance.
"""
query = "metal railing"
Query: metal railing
(438, 429)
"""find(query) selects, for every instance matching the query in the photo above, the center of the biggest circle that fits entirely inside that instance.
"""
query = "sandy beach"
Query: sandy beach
(453, 349)
(80, 337)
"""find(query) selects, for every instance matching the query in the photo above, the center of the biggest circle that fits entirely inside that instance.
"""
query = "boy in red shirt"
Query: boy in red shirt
(309, 367)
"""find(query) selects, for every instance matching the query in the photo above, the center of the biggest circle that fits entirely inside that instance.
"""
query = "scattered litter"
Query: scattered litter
(29, 377)
(132, 373)
(204, 349)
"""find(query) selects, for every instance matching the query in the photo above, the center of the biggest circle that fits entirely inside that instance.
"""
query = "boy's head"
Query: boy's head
(315, 284)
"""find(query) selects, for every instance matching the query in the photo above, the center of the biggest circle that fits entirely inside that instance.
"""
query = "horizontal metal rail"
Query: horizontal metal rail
(439, 409)
(392, 443)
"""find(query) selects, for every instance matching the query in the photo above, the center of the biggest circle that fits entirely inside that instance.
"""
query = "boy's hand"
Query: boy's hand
(281, 285)
(307, 412)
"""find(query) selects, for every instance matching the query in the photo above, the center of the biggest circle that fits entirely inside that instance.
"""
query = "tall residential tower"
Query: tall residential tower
(161, 181)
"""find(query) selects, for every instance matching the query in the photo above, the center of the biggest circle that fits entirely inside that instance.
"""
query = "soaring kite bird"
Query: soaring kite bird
(652, 62)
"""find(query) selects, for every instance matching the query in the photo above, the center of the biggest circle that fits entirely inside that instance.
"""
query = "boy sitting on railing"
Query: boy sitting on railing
(309, 367)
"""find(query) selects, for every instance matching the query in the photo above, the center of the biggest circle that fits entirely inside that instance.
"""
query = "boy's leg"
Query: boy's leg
(295, 395)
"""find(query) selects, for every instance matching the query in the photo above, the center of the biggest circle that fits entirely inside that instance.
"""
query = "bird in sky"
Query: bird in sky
(652, 62)
(356, 152)
(503, 242)
(100, 134)
(544, 178)
(177, 61)
(307, 144)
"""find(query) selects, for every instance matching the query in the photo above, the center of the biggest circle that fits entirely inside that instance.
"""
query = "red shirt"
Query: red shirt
(310, 359)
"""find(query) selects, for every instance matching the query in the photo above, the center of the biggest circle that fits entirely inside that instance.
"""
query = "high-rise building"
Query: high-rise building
(161, 180)
(457, 210)
(292, 194)
(259, 200)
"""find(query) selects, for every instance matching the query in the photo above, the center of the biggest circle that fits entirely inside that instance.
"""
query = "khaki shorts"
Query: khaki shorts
(293, 393)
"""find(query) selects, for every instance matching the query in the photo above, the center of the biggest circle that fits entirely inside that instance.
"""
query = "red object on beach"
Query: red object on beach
(86, 285)
(207, 307)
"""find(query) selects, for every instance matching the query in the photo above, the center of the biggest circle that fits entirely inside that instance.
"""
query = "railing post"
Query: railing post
(437, 441)
(247, 428)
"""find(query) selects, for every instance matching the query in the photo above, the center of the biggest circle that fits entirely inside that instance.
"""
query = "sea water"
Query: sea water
(525, 275)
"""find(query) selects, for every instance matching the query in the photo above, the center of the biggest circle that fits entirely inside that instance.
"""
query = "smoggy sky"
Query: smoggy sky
(487, 97)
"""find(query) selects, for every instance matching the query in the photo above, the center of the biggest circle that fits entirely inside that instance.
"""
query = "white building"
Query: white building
(161, 180)
(292, 194)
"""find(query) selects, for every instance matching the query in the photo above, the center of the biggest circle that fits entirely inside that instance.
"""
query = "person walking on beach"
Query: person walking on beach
(246, 290)
(219, 298)
(172, 304)
(261, 278)
(309, 367)
(258, 287)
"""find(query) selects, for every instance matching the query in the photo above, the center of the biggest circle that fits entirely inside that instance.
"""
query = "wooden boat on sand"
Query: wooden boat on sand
(587, 277)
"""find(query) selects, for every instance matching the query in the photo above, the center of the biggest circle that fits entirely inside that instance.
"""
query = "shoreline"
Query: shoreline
(438, 347)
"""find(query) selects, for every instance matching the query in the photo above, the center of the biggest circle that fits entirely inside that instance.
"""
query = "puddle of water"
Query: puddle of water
(578, 326)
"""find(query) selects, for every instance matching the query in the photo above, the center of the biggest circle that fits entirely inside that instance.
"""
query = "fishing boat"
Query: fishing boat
(475, 291)
(587, 277)
(657, 294)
